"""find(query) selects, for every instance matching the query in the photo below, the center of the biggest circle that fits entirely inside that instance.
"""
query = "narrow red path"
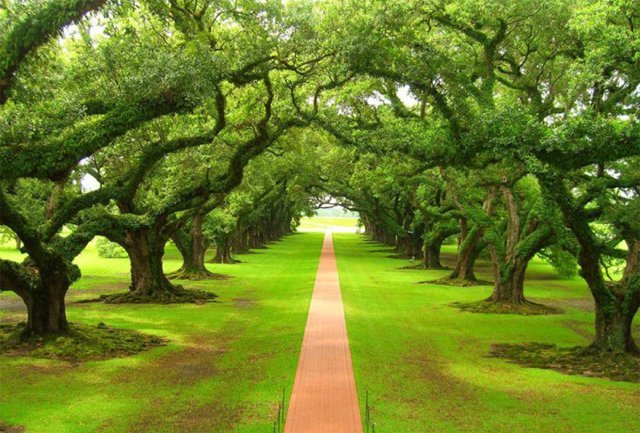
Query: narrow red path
(324, 398)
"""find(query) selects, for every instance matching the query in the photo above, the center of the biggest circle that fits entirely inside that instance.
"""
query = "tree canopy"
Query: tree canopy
(509, 128)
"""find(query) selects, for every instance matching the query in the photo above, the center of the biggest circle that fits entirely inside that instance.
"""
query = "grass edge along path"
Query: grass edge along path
(225, 364)
(427, 365)
(324, 397)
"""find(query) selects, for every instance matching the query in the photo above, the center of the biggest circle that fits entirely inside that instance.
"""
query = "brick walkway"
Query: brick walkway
(324, 398)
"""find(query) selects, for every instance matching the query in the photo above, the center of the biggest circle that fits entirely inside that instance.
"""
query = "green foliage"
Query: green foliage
(109, 250)
(562, 261)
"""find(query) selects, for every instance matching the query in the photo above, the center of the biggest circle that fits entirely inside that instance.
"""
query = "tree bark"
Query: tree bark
(147, 275)
(223, 252)
(613, 325)
(509, 285)
(43, 290)
(46, 312)
(431, 254)
(617, 303)
(192, 247)
(615, 313)
(468, 252)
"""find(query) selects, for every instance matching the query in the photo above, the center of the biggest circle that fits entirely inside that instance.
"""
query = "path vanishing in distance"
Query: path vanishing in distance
(324, 397)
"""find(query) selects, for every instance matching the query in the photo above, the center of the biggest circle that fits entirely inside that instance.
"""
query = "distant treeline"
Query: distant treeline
(337, 212)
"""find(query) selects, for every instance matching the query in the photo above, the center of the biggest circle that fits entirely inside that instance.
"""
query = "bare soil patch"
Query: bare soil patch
(6, 428)
(12, 304)
(582, 304)
(211, 417)
(243, 303)
(420, 267)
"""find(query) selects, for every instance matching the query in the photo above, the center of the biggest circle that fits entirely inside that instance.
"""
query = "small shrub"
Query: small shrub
(110, 250)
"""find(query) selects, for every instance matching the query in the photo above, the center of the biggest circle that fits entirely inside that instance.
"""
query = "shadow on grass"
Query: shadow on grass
(577, 360)
(79, 343)
(526, 308)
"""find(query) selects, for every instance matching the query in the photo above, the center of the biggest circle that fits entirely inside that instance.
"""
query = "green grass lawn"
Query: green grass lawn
(223, 370)
(425, 363)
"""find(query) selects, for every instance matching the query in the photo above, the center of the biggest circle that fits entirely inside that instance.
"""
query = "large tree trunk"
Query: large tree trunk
(147, 274)
(240, 241)
(431, 257)
(46, 312)
(431, 253)
(148, 281)
(509, 286)
(43, 290)
(613, 325)
(468, 252)
(192, 247)
(616, 304)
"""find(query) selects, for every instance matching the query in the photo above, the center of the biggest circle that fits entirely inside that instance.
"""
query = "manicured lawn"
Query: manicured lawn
(425, 365)
(223, 370)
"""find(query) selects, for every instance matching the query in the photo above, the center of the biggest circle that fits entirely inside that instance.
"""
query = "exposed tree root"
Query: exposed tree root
(525, 308)
(421, 267)
(182, 274)
(585, 361)
(227, 261)
(79, 343)
(6, 428)
(177, 295)
(458, 282)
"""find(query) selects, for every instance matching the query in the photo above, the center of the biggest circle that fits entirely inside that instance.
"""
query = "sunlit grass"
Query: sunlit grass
(223, 370)
(426, 366)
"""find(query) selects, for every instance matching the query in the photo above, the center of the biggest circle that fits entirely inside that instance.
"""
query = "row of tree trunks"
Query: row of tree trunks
(223, 252)
(409, 246)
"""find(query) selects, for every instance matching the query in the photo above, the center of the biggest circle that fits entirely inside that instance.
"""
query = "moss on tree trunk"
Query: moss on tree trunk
(192, 246)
